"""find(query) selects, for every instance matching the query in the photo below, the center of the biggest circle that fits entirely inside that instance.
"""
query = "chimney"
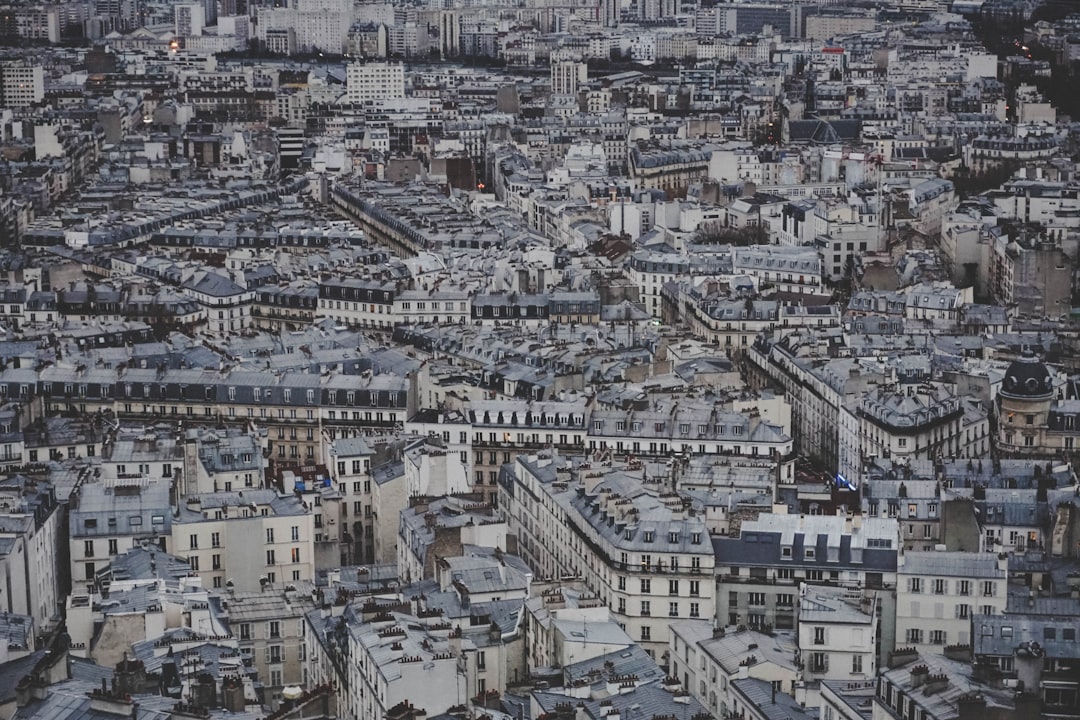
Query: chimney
(918, 676)
(971, 706)
(935, 683)
(232, 695)
(1003, 562)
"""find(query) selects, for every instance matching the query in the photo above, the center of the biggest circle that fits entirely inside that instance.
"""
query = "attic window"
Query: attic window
(785, 552)
(648, 537)
(91, 523)
(810, 553)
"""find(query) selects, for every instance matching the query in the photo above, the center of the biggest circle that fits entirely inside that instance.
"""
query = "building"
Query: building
(1032, 652)
(764, 567)
(936, 687)
(707, 661)
(269, 625)
(30, 535)
(1032, 419)
(190, 19)
(108, 518)
(634, 546)
(253, 539)
(837, 634)
(938, 594)
(349, 459)
(567, 76)
(370, 81)
(22, 83)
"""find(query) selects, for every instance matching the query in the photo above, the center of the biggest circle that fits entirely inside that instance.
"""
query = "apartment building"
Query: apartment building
(30, 534)
(108, 518)
(292, 406)
(504, 429)
(270, 627)
(220, 459)
(22, 83)
(635, 548)
(815, 387)
(252, 538)
(1037, 652)
(909, 422)
(938, 594)
(226, 304)
(687, 426)
(837, 634)
(349, 459)
(442, 527)
(357, 302)
(706, 661)
(368, 81)
(760, 571)
(936, 687)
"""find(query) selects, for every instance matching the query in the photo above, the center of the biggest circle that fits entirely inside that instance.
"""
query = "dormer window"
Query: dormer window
(811, 553)
(648, 536)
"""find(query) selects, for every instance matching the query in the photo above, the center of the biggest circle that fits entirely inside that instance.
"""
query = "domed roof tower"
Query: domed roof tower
(1027, 379)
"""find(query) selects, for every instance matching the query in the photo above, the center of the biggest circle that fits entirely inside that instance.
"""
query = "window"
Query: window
(622, 583)
(819, 662)
(622, 606)
(963, 612)
(646, 633)
(270, 559)
(89, 571)
(673, 609)
(915, 635)
(295, 555)
(215, 539)
(819, 636)
(673, 587)
(273, 629)
(112, 547)
(245, 631)
(939, 586)
(481, 660)
(937, 637)
(216, 562)
(1068, 634)
(646, 586)
(914, 585)
(856, 663)
(965, 587)
(695, 609)
(295, 533)
(757, 598)
(193, 542)
(785, 600)
(88, 548)
(988, 588)
(646, 608)
(695, 588)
